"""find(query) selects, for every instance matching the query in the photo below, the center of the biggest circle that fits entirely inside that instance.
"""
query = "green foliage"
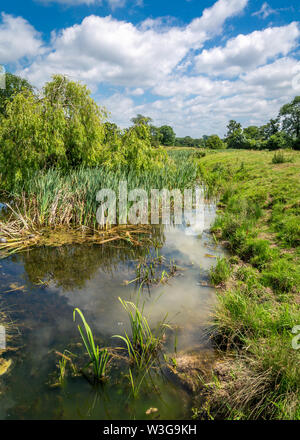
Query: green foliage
(156, 136)
(213, 142)
(13, 85)
(168, 135)
(290, 116)
(221, 272)
(277, 141)
(252, 132)
(99, 358)
(188, 141)
(141, 120)
(63, 128)
(232, 127)
(144, 344)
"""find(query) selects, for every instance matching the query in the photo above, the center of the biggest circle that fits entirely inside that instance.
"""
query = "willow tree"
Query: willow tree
(63, 127)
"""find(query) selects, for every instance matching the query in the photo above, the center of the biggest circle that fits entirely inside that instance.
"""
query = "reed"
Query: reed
(99, 358)
(144, 344)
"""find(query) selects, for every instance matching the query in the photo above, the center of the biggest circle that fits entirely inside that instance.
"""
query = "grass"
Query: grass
(221, 272)
(258, 306)
(99, 358)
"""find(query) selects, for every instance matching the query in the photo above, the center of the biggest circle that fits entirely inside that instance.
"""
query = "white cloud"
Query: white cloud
(159, 57)
(137, 92)
(73, 2)
(103, 49)
(265, 11)
(246, 52)
(18, 39)
(114, 4)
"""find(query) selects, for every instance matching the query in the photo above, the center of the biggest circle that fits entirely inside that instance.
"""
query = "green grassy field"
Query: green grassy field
(258, 286)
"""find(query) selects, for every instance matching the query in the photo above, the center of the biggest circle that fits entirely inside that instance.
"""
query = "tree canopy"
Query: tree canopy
(13, 85)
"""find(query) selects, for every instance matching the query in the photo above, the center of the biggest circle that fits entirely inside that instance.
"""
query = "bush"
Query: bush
(280, 157)
(213, 142)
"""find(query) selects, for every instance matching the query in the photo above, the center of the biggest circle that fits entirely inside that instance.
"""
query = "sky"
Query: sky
(190, 64)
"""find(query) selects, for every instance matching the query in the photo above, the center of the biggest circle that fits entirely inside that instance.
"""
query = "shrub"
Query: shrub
(280, 157)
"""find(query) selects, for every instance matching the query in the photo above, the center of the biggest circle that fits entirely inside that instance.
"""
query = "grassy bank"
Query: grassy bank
(259, 285)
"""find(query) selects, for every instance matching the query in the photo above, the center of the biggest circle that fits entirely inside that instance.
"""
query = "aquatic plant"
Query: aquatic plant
(154, 269)
(144, 344)
(99, 358)
(136, 385)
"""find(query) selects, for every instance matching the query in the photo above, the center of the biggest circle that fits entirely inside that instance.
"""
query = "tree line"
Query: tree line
(281, 132)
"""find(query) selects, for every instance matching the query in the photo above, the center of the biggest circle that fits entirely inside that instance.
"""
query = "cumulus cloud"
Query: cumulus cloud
(163, 70)
(246, 52)
(18, 39)
(103, 49)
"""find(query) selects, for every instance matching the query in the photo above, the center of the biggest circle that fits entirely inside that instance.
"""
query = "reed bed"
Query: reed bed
(53, 200)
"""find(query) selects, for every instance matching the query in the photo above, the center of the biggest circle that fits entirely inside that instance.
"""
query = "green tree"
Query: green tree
(111, 132)
(277, 141)
(213, 142)
(290, 116)
(168, 135)
(83, 130)
(141, 120)
(232, 127)
(269, 129)
(252, 132)
(64, 127)
(13, 85)
(156, 136)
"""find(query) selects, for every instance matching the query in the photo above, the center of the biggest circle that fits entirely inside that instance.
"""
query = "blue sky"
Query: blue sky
(188, 63)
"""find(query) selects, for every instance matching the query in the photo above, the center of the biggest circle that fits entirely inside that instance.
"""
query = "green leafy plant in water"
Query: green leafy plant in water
(136, 386)
(99, 358)
(143, 346)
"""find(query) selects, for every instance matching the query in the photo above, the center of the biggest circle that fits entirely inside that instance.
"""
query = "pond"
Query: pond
(39, 290)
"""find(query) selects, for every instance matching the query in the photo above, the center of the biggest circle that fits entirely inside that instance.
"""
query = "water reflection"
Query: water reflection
(92, 278)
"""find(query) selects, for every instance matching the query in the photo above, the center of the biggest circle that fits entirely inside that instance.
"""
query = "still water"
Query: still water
(39, 290)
